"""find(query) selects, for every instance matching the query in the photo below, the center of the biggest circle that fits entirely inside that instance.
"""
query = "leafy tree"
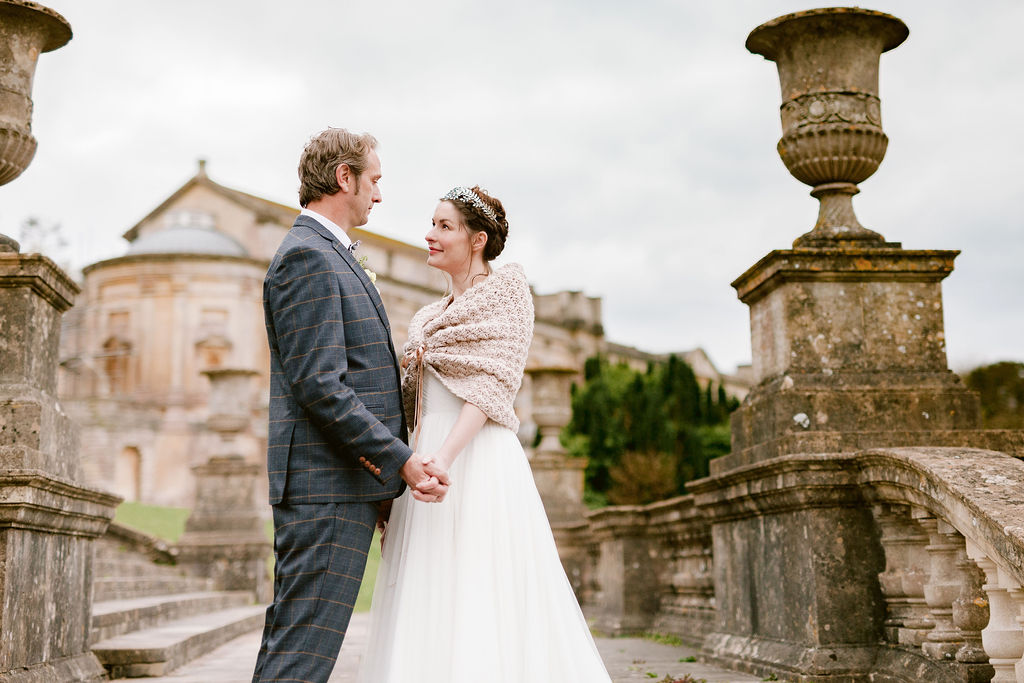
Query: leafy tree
(646, 433)
(1001, 387)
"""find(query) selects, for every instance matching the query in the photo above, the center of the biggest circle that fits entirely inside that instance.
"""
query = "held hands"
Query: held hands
(427, 477)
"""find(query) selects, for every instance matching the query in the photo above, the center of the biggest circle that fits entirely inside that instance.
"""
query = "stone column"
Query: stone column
(47, 518)
(559, 477)
(224, 538)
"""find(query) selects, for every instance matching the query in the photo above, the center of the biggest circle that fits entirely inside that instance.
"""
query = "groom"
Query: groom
(336, 448)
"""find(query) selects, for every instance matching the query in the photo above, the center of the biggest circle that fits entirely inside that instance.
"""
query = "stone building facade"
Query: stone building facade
(186, 298)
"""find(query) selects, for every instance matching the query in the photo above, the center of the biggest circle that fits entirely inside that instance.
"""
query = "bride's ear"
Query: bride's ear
(479, 241)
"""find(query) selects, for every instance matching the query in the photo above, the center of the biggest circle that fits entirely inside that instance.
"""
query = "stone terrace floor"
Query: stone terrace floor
(627, 659)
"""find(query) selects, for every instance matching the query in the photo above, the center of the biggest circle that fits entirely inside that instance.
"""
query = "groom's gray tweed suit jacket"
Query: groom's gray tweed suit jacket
(336, 432)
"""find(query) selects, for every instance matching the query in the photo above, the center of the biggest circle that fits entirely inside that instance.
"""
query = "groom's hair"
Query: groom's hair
(322, 156)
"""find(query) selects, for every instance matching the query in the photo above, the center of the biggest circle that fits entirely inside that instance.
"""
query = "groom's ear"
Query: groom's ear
(343, 174)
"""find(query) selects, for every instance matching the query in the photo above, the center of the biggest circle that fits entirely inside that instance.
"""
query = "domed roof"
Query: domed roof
(187, 233)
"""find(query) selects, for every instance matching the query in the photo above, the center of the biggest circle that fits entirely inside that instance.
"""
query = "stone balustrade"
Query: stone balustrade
(952, 529)
(931, 538)
(644, 568)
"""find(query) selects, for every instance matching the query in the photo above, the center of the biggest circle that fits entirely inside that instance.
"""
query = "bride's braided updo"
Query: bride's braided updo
(477, 218)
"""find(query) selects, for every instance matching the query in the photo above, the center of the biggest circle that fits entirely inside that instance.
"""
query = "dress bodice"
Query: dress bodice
(437, 398)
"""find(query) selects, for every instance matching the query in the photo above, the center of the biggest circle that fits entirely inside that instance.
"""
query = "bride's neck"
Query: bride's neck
(463, 281)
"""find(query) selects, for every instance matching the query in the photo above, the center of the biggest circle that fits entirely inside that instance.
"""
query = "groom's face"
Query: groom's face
(366, 192)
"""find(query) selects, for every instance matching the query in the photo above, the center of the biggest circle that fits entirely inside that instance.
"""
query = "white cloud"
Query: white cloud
(633, 146)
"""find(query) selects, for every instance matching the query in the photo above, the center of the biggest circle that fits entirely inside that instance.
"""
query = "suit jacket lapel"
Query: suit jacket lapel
(371, 289)
(350, 261)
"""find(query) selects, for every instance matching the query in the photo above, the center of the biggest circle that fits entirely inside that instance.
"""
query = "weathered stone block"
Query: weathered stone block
(797, 556)
(46, 525)
(822, 311)
(36, 434)
(34, 293)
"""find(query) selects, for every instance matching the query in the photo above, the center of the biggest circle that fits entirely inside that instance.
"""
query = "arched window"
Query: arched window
(115, 363)
(128, 474)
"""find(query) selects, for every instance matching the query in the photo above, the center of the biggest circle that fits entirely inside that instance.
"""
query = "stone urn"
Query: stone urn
(26, 30)
(552, 406)
(559, 477)
(832, 135)
(231, 399)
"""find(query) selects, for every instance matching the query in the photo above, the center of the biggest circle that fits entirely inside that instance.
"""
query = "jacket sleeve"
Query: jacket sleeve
(304, 297)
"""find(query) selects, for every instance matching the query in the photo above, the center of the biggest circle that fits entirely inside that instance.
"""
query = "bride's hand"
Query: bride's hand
(434, 488)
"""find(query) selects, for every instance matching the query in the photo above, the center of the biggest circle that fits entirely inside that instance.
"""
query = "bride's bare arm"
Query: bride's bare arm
(471, 419)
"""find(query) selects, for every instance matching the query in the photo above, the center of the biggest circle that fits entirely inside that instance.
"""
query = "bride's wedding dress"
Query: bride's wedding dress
(471, 589)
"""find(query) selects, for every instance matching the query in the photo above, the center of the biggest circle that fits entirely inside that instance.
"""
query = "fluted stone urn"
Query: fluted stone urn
(559, 477)
(832, 136)
(26, 30)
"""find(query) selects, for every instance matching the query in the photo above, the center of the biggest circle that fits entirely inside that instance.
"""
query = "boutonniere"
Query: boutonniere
(369, 273)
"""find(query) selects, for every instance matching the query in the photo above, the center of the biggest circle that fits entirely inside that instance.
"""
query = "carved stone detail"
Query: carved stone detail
(832, 107)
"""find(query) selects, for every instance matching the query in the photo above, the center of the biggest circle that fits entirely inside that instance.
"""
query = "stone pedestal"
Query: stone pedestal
(47, 519)
(628, 592)
(559, 477)
(224, 537)
(849, 353)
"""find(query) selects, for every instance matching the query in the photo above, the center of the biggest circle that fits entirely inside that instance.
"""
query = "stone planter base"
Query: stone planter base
(83, 668)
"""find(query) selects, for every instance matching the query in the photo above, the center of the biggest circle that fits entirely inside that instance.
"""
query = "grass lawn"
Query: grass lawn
(165, 523)
(169, 524)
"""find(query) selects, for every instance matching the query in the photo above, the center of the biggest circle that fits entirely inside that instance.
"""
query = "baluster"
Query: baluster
(903, 580)
(1016, 593)
(970, 611)
(1002, 639)
(942, 589)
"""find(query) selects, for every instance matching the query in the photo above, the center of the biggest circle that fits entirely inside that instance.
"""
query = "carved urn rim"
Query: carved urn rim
(56, 29)
(766, 39)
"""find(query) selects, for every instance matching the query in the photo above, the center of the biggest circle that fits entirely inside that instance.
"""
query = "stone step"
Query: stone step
(127, 588)
(116, 617)
(161, 649)
(128, 566)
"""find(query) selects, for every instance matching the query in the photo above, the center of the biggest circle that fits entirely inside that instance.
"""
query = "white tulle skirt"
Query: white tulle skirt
(472, 589)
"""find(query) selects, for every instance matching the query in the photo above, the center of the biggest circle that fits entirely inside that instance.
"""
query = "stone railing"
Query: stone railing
(156, 549)
(934, 544)
(952, 528)
(644, 568)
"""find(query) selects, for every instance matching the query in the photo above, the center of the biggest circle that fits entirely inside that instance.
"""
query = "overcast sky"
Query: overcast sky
(633, 144)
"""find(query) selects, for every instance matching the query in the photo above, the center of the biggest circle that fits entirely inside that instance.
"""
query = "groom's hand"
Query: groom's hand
(428, 480)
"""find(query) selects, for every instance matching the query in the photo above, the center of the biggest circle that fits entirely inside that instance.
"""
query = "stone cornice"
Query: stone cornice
(42, 275)
(180, 258)
(842, 265)
(790, 482)
(35, 500)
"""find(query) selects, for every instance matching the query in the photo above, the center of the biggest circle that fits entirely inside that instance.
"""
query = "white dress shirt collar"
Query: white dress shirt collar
(342, 236)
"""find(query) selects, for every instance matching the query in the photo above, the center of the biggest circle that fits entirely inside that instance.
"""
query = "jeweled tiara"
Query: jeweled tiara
(465, 194)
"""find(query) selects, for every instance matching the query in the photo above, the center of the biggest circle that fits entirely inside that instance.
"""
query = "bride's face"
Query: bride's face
(449, 241)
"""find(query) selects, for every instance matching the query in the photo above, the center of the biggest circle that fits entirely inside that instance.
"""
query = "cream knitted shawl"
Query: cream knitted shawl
(475, 344)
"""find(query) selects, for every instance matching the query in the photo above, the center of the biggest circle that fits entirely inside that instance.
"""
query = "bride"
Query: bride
(471, 589)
